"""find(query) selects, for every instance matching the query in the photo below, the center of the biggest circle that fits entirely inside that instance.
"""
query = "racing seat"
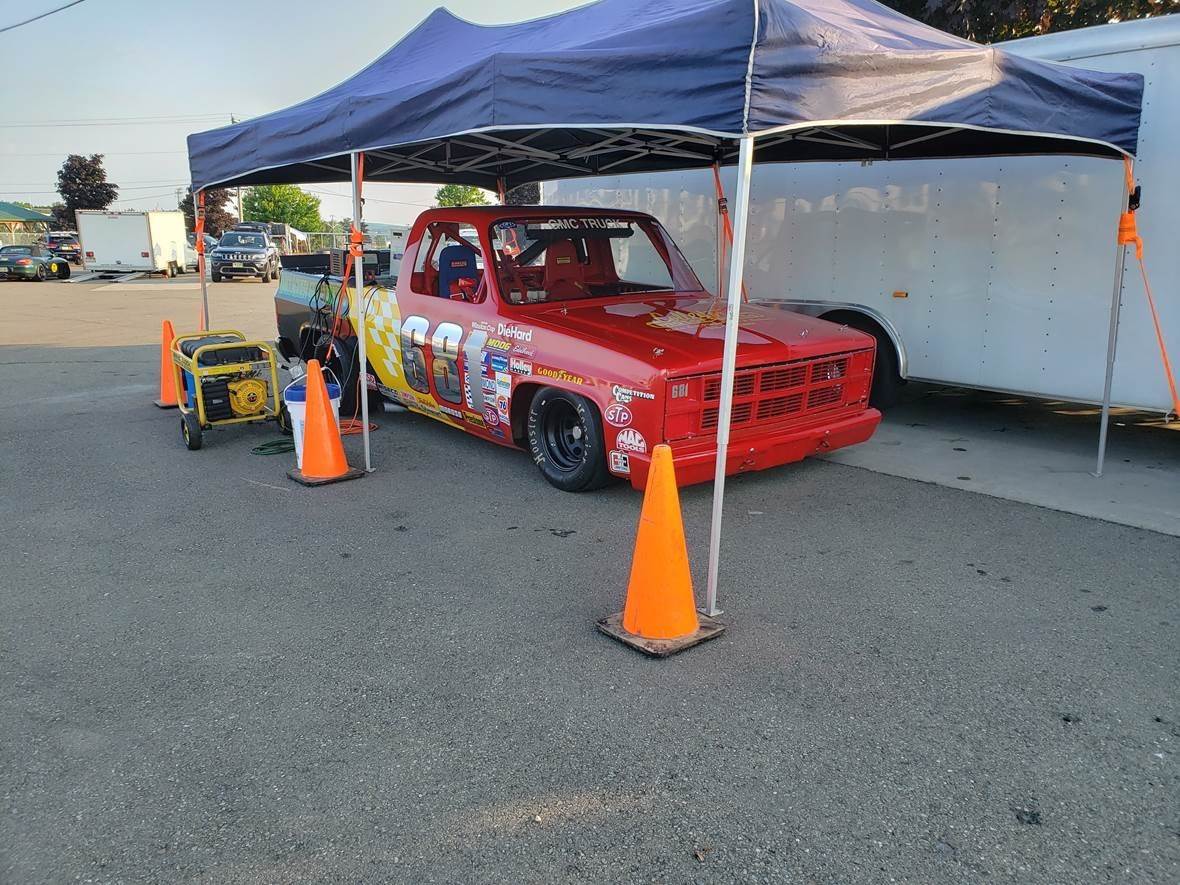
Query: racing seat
(455, 263)
(565, 275)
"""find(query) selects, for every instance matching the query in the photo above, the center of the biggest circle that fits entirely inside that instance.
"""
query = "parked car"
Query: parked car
(245, 253)
(190, 249)
(583, 336)
(32, 263)
(64, 244)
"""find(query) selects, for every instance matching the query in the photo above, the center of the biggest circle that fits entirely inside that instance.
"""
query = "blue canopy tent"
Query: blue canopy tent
(643, 85)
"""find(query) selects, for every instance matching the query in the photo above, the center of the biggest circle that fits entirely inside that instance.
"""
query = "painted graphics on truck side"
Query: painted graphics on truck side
(584, 337)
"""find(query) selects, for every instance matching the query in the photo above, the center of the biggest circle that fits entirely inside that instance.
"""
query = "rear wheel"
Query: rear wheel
(566, 440)
(41, 273)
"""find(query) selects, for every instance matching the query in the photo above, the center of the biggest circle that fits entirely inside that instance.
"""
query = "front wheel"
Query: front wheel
(190, 431)
(63, 271)
(215, 277)
(566, 440)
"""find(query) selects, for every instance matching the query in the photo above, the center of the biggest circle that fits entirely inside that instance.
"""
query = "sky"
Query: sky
(131, 79)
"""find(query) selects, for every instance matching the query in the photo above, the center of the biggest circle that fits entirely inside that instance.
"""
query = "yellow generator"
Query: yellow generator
(221, 378)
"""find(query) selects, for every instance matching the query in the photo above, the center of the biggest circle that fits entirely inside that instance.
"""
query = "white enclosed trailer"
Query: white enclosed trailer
(987, 273)
(124, 242)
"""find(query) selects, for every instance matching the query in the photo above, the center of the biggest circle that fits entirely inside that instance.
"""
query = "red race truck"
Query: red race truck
(583, 336)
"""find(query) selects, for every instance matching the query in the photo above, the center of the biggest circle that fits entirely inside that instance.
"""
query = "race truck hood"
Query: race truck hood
(686, 334)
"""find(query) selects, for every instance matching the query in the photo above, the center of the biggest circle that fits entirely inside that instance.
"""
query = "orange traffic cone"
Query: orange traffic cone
(167, 398)
(660, 617)
(323, 452)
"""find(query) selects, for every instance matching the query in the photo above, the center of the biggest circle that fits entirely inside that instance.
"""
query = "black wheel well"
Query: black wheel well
(522, 399)
(863, 322)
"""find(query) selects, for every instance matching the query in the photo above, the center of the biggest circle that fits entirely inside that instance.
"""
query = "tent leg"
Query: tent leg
(733, 306)
(1112, 342)
(199, 212)
(362, 330)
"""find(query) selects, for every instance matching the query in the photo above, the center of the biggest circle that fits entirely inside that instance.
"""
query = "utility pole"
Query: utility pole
(238, 190)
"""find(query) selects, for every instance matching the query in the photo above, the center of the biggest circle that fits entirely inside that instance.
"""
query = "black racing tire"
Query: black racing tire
(41, 273)
(63, 271)
(566, 440)
(190, 431)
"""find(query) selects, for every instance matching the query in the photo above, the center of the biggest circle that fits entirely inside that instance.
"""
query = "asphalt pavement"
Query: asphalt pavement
(211, 674)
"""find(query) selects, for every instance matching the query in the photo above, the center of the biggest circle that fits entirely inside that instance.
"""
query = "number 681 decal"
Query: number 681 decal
(444, 358)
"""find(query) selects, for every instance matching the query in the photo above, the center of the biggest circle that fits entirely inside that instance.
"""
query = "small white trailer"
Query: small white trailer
(985, 273)
(128, 242)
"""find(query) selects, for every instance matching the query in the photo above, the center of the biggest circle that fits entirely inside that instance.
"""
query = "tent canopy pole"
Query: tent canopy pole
(199, 245)
(358, 263)
(733, 307)
(1112, 338)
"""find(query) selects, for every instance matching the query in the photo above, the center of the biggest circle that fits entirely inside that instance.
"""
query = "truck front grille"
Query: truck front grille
(775, 392)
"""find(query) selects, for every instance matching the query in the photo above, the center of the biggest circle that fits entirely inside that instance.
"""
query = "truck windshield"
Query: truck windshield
(568, 257)
(248, 241)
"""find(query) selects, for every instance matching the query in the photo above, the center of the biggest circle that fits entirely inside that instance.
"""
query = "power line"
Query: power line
(29, 21)
(170, 120)
(104, 153)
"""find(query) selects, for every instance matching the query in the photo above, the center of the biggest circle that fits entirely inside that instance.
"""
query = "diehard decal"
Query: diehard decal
(617, 415)
(631, 440)
(513, 331)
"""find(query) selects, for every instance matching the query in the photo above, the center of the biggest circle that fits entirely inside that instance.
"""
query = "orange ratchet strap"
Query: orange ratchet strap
(1129, 235)
(723, 209)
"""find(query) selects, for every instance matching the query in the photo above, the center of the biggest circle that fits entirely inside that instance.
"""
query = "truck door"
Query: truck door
(446, 318)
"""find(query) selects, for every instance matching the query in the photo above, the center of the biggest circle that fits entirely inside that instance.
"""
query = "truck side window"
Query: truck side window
(449, 263)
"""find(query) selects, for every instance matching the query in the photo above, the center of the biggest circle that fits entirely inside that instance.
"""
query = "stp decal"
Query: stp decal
(617, 415)
(491, 416)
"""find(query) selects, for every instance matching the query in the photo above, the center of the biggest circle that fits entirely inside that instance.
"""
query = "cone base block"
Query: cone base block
(160, 404)
(661, 648)
(351, 473)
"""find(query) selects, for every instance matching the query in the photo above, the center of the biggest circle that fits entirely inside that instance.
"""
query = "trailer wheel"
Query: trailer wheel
(566, 440)
(190, 431)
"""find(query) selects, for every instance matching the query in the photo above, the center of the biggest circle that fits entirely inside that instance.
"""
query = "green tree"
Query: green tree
(218, 219)
(283, 203)
(82, 183)
(524, 195)
(989, 21)
(451, 195)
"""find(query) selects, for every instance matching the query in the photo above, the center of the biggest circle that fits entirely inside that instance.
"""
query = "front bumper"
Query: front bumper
(752, 451)
(247, 269)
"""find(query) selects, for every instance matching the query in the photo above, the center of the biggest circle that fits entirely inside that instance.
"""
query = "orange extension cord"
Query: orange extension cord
(1129, 235)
